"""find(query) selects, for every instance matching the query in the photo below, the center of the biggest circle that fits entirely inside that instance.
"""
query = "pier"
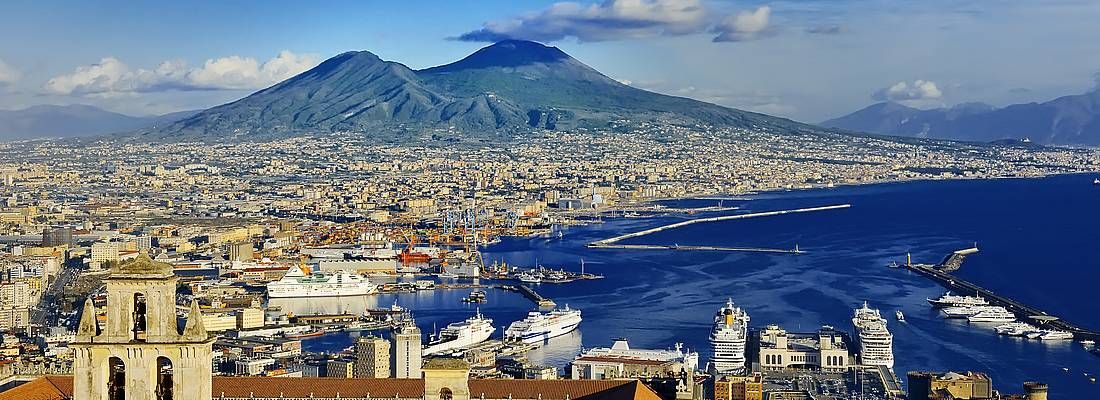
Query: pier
(941, 275)
(529, 293)
(612, 243)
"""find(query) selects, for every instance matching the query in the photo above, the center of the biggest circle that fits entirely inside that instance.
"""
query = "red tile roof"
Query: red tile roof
(60, 387)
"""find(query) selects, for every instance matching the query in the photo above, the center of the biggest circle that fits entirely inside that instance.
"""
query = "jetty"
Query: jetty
(526, 291)
(613, 243)
(941, 273)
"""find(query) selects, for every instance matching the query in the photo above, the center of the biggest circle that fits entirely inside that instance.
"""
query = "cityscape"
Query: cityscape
(518, 225)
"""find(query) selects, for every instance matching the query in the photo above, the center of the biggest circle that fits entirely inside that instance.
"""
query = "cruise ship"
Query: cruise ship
(460, 335)
(298, 283)
(539, 326)
(728, 339)
(876, 343)
(966, 311)
(951, 300)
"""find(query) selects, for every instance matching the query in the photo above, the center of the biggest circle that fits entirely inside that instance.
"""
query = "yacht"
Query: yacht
(1096, 181)
(995, 315)
(876, 343)
(1015, 328)
(1051, 334)
(460, 335)
(966, 311)
(728, 339)
(951, 300)
(539, 326)
(298, 283)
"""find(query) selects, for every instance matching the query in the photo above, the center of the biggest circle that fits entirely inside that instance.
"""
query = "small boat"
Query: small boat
(1096, 181)
(899, 316)
(1088, 342)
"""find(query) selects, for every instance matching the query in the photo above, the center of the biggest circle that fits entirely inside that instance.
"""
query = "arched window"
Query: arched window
(164, 379)
(116, 379)
(446, 394)
(139, 317)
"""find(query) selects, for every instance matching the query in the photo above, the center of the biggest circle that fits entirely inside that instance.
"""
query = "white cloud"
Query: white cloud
(610, 20)
(111, 76)
(8, 74)
(909, 91)
(745, 25)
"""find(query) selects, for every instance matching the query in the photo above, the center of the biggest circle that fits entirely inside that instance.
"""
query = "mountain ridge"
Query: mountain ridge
(508, 86)
(1066, 120)
(74, 120)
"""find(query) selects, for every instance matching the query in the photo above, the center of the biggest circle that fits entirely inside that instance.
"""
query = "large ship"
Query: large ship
(996, 314)
(460, 335)
(728, 339)
(951, 300)
(539, 326)
(876, 343)
(298, 283)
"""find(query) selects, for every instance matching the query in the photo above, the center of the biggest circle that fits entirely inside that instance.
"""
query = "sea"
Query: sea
(1039, 241)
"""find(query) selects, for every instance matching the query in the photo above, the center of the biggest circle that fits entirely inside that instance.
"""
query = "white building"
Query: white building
(825, 349)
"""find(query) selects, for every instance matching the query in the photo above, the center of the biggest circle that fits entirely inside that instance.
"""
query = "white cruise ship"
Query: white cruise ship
(728, 338)
(539, 326)
(297, 283)
(460, 335)
(876, 343)
(966, 311)
(951, 300)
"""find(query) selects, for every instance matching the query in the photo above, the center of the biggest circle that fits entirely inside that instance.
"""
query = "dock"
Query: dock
(612, 243)
(941, 273)
(526, 291)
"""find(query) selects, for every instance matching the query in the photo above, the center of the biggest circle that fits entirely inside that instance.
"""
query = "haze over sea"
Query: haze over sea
(1038, 240)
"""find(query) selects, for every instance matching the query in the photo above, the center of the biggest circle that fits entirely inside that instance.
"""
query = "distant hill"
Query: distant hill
(510, 85)
(73, 121)
(1067, 120)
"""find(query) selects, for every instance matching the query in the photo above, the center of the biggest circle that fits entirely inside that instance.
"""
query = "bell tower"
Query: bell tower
(141, 354)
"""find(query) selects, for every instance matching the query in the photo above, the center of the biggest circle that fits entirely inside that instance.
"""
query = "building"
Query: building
(250, 318)
(825, 349)
(60, 236)
(104, 252)
(340, 368)
(668, 372)
(407, 351)
(141, 354)
(15, 302)
(951, 385)
(739, 387)
(372, 357)
(242, 251)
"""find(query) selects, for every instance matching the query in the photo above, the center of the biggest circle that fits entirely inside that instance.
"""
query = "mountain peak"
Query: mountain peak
(506, 53)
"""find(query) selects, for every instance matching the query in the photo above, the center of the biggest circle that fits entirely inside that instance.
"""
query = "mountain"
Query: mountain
(508, 86)
(73, 120)
(1068, 120)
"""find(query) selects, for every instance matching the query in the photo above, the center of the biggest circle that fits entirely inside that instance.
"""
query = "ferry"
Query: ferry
(966, 311)
(995, 315)
(876, 343)
(298, 283)
(460, 335)
(539, 326)
(1052, 334)
(728, 339)
(950, 300)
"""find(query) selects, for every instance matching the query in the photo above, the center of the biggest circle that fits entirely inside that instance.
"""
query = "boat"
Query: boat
(462, 334)
(477, 296)
(996, 315)
(966, 311)
(298, 283)
(900, 317)
(951, 300)
(1052, 334)
(527, 277)
(728, 339)
(876, 343)
(305, 335)
(1096, 181)
(540, 326)
(1015, 329)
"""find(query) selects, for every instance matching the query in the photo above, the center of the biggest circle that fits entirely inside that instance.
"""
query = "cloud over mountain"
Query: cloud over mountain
(744, 26)
(906, 91)
(110, 76)
(8, 74)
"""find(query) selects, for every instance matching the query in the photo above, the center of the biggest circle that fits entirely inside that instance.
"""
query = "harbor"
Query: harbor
(940, 273)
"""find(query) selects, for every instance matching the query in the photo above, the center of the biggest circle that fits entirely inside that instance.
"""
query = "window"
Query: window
(164, 378)
(139, 317)
(446, 394)
(116, 379)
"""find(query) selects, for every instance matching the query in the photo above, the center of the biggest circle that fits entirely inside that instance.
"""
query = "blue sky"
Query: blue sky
(805, 59)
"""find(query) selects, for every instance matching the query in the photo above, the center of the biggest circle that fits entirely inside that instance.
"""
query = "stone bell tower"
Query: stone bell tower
(141, 355)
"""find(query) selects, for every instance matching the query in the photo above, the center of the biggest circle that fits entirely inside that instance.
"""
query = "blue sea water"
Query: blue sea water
(1038, 238)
